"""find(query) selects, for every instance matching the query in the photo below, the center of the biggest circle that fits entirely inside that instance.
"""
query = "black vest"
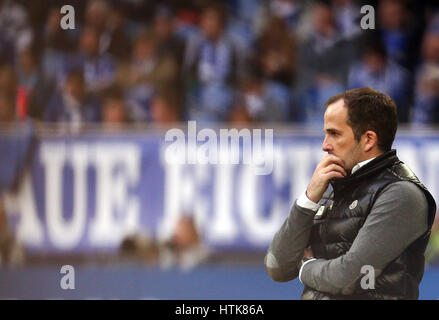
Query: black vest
(334, 231)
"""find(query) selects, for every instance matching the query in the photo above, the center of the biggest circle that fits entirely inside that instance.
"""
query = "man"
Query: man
(73, 104)
(213, 63)
(363, 207)
(114, 112)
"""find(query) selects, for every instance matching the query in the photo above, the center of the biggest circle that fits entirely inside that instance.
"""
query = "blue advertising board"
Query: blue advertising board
(83, 193)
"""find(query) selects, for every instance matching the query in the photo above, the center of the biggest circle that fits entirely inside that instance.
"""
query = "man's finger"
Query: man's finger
(334, 174)
(335, 167)
(330, 158)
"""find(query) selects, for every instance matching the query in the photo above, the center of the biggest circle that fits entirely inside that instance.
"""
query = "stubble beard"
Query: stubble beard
(353, 157)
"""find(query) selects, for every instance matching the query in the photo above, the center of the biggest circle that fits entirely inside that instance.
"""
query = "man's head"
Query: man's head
(165, 106)
(375, 55)
(113, 108)
(7, 107)
(163, 24)
(359, 124)
(74, 85)
(392, 14)
(323, 19)
(89, 41)
(213, 20)
(430, 48)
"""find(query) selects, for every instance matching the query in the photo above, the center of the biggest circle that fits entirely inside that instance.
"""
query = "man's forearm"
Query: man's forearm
(286, 249)
(398, 217)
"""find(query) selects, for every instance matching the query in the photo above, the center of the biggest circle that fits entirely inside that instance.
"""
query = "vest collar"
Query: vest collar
(386, 160)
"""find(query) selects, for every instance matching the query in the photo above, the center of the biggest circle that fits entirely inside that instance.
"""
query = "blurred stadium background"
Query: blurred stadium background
(84, 179)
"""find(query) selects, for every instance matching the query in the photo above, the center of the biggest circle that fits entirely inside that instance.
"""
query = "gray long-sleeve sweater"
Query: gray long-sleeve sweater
(398, 217)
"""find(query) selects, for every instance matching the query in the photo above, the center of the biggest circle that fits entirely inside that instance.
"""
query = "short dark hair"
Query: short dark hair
(219, 8)
(114, 92)
(369, 109)
(170, 95)
(77, 74)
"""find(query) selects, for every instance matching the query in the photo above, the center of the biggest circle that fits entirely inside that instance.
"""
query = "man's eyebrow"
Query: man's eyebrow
(332, 130)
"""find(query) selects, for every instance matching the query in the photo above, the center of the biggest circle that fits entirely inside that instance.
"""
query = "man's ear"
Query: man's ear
(370, 140)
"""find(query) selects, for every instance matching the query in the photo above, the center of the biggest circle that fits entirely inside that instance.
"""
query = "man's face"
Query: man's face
(339, 137)
(75, 87)
(114, 111)
(211, 24)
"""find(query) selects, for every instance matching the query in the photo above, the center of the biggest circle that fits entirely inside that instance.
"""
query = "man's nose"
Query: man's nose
(326, 146)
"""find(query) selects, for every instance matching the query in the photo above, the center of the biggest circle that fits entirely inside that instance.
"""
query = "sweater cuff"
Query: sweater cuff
(305, 203)
(301, 268)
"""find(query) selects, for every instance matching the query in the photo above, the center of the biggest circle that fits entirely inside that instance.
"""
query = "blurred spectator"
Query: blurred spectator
(347, 15)
(73, 104)
(185, 249)
(312, 97)
(325, 51)
(168, 42)
(399, 32)
(114, 112)
(275, 52)
(15, 32)
(186, 22)
(12, 253)
(150, 65)
(54, 36)
(239, 116)
(287, 10)
(34, 89)
(263, 100)
(8, 82)
(147, 70)
(7, 107)
(426, 104)
(99, 69)
(56, 44)
(15, 154)
(97, 15)
(166, 107)
(212, 65)
(374, 70)
(139, 246)
(211, 56)
(433, 22)
(116, 36)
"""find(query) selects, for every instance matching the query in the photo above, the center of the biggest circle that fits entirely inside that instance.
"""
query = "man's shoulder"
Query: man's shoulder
(404, 191)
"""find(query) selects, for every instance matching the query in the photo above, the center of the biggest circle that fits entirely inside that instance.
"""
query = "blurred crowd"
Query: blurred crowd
(184, 250)
(151, 62)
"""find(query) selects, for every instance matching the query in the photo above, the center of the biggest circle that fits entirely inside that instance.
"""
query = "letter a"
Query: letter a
(68, 21)
(368, 21)
(67, 281)
(368, 281)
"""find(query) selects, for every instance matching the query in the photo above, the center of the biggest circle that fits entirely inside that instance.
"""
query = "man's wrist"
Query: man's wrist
(304, 202)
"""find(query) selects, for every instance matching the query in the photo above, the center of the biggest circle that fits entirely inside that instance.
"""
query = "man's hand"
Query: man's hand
(329, 168)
